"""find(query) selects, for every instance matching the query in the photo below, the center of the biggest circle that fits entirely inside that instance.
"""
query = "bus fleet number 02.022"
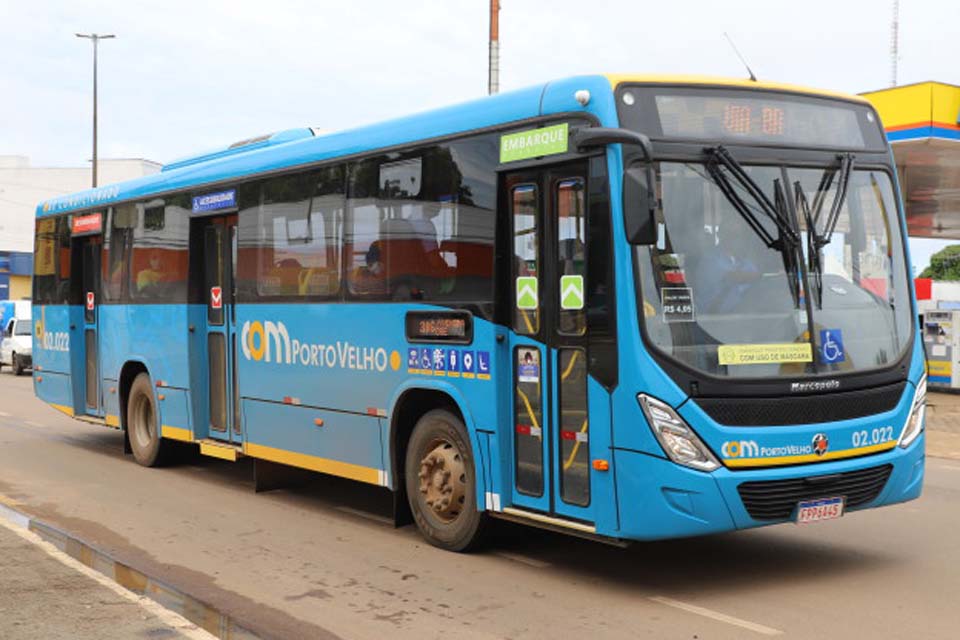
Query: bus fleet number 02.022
(864, 438)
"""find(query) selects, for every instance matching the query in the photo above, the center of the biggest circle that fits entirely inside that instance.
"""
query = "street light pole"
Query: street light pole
(95, 38)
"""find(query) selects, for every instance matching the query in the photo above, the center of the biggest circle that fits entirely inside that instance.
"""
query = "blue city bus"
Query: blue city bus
(621, 307)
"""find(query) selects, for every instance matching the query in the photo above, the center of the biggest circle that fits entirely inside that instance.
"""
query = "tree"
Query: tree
(944, 264)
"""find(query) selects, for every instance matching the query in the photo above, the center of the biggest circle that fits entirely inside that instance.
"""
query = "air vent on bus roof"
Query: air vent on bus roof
(268, 140)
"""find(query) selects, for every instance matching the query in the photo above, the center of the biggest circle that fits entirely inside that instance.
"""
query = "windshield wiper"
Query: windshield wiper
(817, 240)
(719, 157)
(787, 240)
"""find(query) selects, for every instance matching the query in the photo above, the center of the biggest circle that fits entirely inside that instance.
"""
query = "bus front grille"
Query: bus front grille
(776, 499)
(778, 411)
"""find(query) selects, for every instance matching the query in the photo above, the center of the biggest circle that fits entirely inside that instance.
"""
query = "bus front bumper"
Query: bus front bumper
(660, 499)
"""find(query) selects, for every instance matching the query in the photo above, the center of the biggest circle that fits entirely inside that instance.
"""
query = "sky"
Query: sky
(187, 76)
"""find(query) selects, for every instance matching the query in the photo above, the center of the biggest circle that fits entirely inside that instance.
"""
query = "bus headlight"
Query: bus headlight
(915, 421)
(678, 440)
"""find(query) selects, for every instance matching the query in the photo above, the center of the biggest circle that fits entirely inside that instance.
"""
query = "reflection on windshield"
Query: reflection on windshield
(717, 297)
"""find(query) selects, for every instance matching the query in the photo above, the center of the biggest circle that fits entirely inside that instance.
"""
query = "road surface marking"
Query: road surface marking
(516, 557)
(367, 515)
(716, 615)
(174, 620)
(32, 423)
(4, 414)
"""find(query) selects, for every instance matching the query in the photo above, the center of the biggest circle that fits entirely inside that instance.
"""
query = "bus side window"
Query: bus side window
(159, 253)
(116, 251)
(289, 244)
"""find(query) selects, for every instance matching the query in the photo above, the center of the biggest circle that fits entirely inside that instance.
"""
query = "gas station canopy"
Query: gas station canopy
(921, 121)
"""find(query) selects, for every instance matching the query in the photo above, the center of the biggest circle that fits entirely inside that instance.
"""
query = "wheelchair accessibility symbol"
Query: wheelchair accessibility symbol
(831, 346)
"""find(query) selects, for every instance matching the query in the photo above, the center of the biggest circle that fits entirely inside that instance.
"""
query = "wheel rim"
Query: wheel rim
(142, 422)
(443, 480)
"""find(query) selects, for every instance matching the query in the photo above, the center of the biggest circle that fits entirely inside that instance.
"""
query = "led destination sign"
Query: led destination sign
(440, 326)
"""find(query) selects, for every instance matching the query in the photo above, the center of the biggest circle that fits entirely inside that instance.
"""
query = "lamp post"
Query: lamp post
(95, 38)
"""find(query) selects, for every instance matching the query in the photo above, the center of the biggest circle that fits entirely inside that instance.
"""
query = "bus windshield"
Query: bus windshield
(717, 295)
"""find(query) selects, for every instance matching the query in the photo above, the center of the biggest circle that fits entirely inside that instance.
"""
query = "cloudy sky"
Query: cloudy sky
(186, 76)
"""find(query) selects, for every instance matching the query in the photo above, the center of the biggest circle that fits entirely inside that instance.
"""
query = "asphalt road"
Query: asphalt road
(321, 562)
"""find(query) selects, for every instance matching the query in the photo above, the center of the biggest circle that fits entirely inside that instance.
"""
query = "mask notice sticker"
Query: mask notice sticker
(765, 353)
(677, 304)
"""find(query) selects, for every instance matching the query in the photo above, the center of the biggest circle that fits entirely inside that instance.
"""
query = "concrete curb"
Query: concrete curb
(126, 578)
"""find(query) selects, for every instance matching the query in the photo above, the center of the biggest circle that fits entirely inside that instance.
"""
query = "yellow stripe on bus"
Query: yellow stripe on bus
(176, 433)
(810, 457)
(63, 408)
(112, 421)
(314, 463)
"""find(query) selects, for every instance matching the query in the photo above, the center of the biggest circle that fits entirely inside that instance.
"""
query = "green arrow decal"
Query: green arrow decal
(527, 293)
(571, 292)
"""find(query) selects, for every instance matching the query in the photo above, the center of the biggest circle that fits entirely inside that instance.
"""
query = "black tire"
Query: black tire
(439, 443)
(149, 449)
(17, 365)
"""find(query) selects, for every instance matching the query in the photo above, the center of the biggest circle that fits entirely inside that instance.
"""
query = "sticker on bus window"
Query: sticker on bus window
(528, 365)
(534, 143)
(738, 354)
(831, 346)
(571, 292)
(527, 296)
(677, 304)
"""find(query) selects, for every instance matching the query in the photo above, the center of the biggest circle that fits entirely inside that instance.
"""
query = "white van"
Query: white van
(16, 346)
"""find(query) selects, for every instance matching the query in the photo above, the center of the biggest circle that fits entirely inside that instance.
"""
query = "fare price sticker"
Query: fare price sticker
(677, 304)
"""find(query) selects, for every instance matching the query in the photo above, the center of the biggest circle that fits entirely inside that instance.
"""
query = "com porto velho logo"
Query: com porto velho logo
(740, 449)
(270, 341)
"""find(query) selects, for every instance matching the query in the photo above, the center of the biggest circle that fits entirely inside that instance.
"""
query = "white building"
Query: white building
(22, 187)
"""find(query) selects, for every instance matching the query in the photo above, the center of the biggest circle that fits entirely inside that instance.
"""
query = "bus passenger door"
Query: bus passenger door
(90, 247)
(219, 265)
(551, 430)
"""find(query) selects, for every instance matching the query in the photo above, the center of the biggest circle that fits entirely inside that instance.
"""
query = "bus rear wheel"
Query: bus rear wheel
(441, 482)
(148, 448)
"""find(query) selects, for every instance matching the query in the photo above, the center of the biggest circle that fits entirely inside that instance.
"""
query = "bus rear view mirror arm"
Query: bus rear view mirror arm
(586, 137)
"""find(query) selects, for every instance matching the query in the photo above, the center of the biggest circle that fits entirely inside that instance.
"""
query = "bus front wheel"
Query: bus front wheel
(441, 482)
(148, 448)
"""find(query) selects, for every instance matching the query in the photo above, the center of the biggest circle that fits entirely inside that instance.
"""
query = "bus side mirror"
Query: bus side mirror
(639, 204)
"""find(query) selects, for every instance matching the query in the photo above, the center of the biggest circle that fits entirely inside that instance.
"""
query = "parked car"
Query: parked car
(16, 347)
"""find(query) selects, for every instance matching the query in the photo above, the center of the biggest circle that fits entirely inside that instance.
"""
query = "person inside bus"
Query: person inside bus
(152, 275)
(370, 277)
(720, 277)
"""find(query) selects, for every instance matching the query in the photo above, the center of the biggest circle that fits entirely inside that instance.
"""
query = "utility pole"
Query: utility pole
(493, 78)
(95, 38)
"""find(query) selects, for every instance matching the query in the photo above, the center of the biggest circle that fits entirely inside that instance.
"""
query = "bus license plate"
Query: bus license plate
(817, 510)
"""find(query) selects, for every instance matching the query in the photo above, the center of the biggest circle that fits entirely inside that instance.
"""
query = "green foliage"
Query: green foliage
(944, 264)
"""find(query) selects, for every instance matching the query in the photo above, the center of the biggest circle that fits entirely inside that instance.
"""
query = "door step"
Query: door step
(559, 525)
(222, 450)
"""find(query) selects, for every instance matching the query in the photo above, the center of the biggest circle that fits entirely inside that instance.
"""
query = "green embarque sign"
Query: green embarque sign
(533, 143)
